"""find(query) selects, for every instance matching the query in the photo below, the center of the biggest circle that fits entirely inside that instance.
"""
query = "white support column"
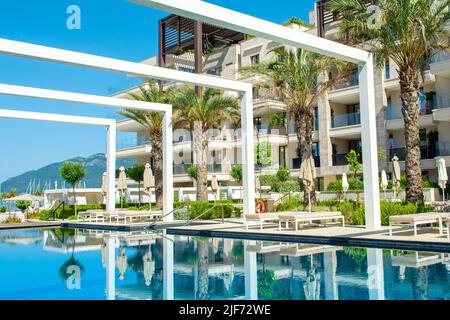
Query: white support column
(375, 274)
(250, 273)
(167, 165)
(248, 161)
(111, 168)
(369, 145)
(330, 265)
(168, 276)
(110, 269)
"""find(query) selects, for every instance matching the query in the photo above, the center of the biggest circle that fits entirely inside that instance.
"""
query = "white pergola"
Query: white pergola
(222, 17)
(109, 124)
(205, 12)
(30, 92)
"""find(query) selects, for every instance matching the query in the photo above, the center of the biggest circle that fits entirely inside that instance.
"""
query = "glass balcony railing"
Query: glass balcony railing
(182, 168)
(275, 130)
(442, 56)
(347, 119)
(341, 160)
(426, 152)
(296, 162)
(350, 81)
(443, 149)
(132, 142)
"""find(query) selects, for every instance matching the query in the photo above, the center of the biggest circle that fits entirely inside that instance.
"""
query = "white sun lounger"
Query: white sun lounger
(415, 220)
(309, 217)
(262, 218)
(139, 215)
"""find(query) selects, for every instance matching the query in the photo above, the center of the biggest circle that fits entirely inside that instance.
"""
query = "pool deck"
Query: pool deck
(29, 225)
(403, 238)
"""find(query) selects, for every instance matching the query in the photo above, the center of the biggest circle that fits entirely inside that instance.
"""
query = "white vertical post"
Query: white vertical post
(330, 265)
(248, 161)
(167, 165)
(110, 269)
(250, 273)
(369, 146)
(168, 293)
(111, 167)
(375, 274)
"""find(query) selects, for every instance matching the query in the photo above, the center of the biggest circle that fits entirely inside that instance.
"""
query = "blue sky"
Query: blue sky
(114, 28)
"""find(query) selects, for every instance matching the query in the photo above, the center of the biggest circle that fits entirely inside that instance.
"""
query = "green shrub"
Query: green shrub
(286, 186)
(2, 209)
(282, 174)
(196, 208)
(22, 205)
(192, 172)
(355, 214)
(290, 204)
(354, 184)
(268, 180)
(12, 219)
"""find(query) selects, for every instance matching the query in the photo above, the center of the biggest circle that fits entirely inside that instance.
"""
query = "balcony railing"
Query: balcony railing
(426, 152)
(276, 130)
(341, 160)
(426, 107)
(182, 168)
(443, 149)
(296, 162)
(292, 128)
(132, 142)
(350, 81)
(443, 56)
(343, 120)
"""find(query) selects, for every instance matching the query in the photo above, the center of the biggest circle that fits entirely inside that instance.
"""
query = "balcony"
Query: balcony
(275, 130)
(344, 120)
(426, 152)
(347, 82)
(180, 169)
(296, 162)
(341, 160)
(132, 143)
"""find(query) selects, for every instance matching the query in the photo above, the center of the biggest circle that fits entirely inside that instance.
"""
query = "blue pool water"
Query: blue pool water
(81, 264)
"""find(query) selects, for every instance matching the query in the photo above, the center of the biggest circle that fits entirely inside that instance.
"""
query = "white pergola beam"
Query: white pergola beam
(110, 125)
(39, 93)
(222, 17)
(33, 51)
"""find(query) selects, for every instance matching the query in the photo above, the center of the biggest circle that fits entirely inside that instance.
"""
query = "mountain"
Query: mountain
(95, 166)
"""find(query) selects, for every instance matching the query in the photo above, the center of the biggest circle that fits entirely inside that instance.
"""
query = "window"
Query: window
(254, 59)
(387, 69)
(389, 109)
(255, 91)
(214, 71)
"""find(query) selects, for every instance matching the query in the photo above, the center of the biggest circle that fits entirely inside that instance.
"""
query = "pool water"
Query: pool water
(82, 264)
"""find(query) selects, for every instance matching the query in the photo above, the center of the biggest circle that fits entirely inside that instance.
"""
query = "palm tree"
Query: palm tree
(298, 78)
(409, 32)
(152, 122)
(201, 113)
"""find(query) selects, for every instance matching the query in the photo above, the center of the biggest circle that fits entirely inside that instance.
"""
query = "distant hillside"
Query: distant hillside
(95, 166)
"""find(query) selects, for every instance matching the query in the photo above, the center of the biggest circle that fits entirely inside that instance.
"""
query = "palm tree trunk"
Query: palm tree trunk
(201, 148)
(158, 169)
(304, 120)
(409, 94)
(203, 263)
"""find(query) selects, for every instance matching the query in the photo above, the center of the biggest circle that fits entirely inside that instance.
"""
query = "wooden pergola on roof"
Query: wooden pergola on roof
(178, 33)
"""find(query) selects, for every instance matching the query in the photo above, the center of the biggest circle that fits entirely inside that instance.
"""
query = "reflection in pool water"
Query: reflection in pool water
(87, 264)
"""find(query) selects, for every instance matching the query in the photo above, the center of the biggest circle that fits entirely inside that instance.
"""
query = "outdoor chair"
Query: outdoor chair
(308, 217)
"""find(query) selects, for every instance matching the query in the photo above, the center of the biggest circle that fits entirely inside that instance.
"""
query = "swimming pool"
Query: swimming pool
(86, 264)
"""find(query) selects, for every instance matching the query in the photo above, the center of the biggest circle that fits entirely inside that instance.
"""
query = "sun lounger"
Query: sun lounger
(261, 218)
(139, 215)
(263, 247)
(415, 220)
(301, 249)
(93, 215)
(309, 217)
